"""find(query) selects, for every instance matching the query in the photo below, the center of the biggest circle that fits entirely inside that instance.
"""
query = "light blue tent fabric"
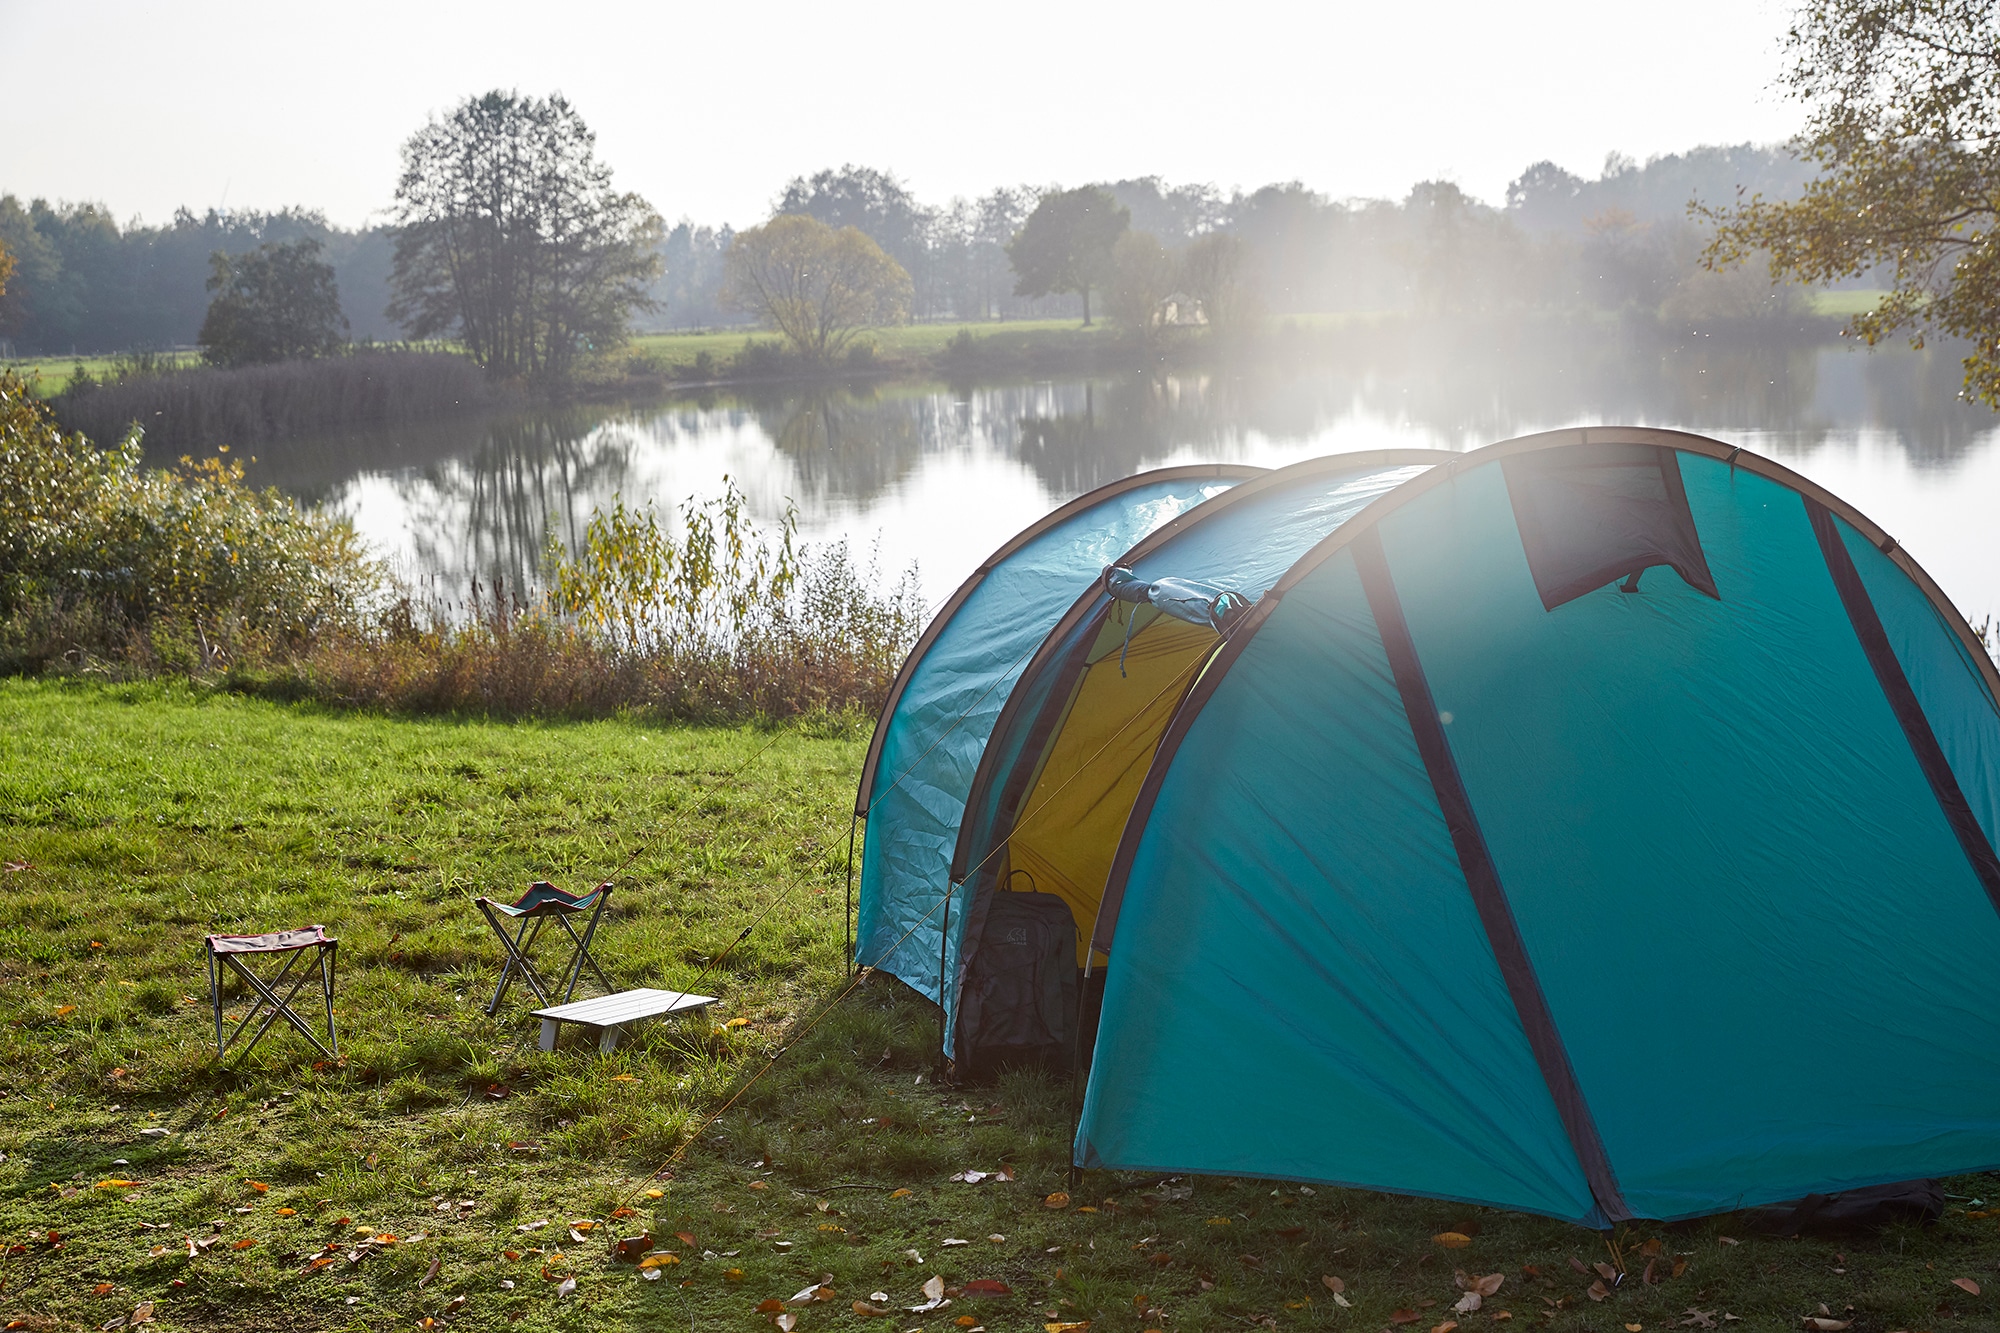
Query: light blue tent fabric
(932, 742)
(1761, 943)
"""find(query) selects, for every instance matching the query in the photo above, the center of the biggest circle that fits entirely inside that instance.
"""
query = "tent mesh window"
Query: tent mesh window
(1599, 513)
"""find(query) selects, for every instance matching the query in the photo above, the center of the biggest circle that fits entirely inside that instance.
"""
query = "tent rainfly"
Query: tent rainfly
(1599, 824)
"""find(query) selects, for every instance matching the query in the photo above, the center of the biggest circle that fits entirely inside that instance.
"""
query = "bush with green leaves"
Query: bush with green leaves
(98, 552)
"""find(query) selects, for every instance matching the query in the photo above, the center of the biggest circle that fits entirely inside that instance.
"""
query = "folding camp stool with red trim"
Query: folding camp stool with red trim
(233, 951)
(542, 903)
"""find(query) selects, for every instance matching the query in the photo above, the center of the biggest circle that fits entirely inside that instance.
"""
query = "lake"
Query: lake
(938, 475)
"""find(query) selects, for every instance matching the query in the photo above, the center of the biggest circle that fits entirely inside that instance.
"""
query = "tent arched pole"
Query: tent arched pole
(865, 791)
(1736, 456)
(1093, 602)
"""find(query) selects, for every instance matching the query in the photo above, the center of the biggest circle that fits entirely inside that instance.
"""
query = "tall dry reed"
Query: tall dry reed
(195, 410)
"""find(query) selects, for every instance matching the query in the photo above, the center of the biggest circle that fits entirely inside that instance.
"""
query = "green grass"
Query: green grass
(149, 815)
(1857, 301)
(49, 374)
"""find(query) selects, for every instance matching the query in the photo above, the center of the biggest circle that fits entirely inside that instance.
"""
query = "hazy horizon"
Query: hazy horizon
(227, 105)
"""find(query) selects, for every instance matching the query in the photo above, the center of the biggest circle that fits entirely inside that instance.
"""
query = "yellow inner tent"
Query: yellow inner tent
(1090, 774)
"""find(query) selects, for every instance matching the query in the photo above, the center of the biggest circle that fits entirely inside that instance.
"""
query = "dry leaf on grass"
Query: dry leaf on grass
(1452, 1240)
(1056, 1200)
(1404, 1316)
(1597, 1291)
(1332, 1284)
(1966, 1284)
(1825, 1325)
(867, 1311)
(934, 1297)
(986, 1286)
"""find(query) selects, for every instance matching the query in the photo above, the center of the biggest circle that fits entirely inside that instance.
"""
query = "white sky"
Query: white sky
(708, 108)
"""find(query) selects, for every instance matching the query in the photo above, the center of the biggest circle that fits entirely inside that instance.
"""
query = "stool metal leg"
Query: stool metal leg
(280, 1008)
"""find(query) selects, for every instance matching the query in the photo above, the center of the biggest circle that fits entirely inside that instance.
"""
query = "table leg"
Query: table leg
(549, 1027)
(608, 1042)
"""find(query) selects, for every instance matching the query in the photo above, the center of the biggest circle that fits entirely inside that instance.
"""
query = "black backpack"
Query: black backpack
(1018, 1005)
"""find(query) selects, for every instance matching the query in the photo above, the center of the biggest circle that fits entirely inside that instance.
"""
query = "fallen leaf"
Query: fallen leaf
(737, 1023)
(1728, 1240)
(1635, 1328)
(1698, 1318)
(986, 1286)
(1446, 1327)
(142, 1313)
(1966, 1284)
(661, 1260)
(1597, 1291)
(624, 1078)
(947, 1242)
(732, 1274)
(1452, 1240)
(431, 1273)
(1607, 1272)
(288, 1212)
(658, 1194)
(1680, 1265)
(65, 1009)
(867, 1311)
(243, 1244)
(934, 1297)
(1647, 1277)
(1825, 1325)
(1066, 1328)
(257, 1185)
(758, 1185)
(1218, 1221)
(1467, 1303)
(770, 1305)
(1333, 1284)
(567, 1288)
(1056, 1200)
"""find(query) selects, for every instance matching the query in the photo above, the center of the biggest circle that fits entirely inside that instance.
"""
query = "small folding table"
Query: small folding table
(310, 945)
(542, 903)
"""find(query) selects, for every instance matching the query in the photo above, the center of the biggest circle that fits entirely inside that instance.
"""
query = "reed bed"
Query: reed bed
(189, 409)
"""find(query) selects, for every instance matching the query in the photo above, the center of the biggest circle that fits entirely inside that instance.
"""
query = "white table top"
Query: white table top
(625, 1006)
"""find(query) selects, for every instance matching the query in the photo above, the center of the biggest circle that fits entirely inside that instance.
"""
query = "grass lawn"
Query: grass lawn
(1847, 302)
(134, 819)
(899, 342)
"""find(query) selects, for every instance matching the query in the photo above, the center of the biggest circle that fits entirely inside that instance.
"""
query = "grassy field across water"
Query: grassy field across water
(138, 1177)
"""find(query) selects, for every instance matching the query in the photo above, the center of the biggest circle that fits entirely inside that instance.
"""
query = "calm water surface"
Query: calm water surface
(939, 475)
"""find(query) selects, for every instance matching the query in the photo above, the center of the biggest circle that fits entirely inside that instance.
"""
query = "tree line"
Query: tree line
(509, 236)
(1620, 241)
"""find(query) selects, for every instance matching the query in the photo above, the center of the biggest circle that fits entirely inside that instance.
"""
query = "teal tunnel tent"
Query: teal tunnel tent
(1599, 824)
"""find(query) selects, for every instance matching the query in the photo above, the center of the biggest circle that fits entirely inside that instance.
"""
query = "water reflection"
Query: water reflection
(940, 474)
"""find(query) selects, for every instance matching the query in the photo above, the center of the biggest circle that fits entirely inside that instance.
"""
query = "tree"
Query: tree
(277, 303)
(816, 286)
(1143, 276)
(1065, 245)
(1214, 272)
(1904, 127)
(513, 239)
(6, 267)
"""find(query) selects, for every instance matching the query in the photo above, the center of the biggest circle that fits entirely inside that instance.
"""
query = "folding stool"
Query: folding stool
(233, 951)
(542, 903)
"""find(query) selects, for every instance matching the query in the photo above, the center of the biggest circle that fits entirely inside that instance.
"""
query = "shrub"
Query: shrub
(101, 556)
